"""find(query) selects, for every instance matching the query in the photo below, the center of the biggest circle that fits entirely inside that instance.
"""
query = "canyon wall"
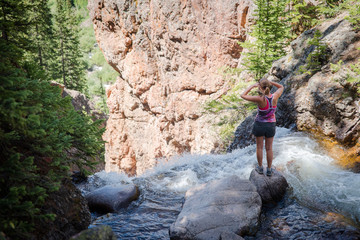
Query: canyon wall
(168, 55)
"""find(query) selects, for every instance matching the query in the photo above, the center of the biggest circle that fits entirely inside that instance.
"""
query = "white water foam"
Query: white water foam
(313, 176)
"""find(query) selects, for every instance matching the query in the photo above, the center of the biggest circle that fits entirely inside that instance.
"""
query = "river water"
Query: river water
(322, 202)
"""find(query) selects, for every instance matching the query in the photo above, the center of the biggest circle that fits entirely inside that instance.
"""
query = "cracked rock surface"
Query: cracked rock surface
(229, 206)
(168, 55)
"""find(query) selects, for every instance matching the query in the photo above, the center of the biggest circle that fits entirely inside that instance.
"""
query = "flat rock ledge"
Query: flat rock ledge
(217, 210)
(112, 198)
(271, 189)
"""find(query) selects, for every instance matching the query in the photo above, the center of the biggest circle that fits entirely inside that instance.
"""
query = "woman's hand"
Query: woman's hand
(255, 85)
(245, 95)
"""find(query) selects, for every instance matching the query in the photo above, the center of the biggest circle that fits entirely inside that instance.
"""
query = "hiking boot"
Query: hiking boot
(259, 169)
(269, 172)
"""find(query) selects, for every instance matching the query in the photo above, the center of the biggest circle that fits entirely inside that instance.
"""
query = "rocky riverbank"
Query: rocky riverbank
(321, 102)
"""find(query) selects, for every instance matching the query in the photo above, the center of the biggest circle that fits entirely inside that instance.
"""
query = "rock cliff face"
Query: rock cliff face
(168, 55)
(323, 102)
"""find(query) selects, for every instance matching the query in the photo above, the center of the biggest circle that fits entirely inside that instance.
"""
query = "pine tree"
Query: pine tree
(68, 68)
(271, 32)
(42, 34)
(39, 129)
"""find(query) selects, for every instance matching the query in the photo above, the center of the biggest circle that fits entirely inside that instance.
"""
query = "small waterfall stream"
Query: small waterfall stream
(323, 201)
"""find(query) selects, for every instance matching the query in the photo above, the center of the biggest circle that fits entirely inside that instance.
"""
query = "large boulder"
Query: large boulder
(112, 198)
(103, 232)
(271, 189)
(228, 206)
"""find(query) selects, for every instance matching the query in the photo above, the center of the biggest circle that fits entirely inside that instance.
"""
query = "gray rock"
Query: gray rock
(271, 189)
(112, 198)
(229, 205)
(243, 135)
(230, 236)
(97, 233)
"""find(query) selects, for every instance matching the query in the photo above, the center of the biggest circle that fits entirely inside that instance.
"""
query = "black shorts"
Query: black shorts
(266, 129)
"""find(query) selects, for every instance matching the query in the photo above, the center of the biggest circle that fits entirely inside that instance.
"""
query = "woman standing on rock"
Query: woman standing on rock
(265, 122)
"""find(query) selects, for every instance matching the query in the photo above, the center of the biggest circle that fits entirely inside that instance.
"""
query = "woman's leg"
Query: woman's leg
(269, 150)
(259, 149)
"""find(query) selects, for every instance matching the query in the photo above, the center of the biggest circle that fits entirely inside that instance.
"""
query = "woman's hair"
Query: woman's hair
(265, 85)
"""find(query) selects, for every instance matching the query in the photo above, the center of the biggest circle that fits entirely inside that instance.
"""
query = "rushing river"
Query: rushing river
(323, 201)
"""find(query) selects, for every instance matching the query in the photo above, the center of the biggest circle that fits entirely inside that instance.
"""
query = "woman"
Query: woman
(265, 121)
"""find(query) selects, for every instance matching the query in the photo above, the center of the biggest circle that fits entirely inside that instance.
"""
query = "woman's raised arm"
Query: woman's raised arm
(279, 91)
(250, 98)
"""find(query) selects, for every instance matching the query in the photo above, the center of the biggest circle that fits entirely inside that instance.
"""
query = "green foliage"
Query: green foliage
(41, 33)
(336, 67)
(97, 58)
(353, 77)
(82, 4)
(271, 32)
(87, 40)
(100, 73)
(354, 13)
(68, 66)
(318, 56)
(303, 16)
(41, 135)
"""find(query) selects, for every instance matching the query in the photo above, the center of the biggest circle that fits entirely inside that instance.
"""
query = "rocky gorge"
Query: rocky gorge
(168, 56)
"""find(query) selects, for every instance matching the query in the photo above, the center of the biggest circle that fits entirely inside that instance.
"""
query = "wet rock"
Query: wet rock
(229, 205)
(97, 233)
(78, 177)
(230, 236)
(271, 189)
(112, 198)
(243, 136)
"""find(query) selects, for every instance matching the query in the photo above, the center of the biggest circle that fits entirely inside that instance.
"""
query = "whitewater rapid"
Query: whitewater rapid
(315, 180)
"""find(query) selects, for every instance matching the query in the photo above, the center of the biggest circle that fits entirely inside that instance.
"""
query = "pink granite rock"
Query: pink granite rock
(168, 55)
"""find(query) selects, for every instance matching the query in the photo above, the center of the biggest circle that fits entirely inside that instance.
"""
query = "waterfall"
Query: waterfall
(316, 183)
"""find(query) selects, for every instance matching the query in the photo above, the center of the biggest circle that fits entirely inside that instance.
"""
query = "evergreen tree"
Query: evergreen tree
(39, 129)
(271, 32)
(68, 68)
(42, 33)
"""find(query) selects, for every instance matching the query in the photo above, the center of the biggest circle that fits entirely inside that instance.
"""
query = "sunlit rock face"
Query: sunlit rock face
(168, 54)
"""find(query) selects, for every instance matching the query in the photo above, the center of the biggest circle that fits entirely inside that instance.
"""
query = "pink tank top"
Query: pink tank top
(266, 114)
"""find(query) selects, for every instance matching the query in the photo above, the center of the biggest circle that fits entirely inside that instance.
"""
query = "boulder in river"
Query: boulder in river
(112, 198)
(103, 232)
(271, 189)
(225, 206)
